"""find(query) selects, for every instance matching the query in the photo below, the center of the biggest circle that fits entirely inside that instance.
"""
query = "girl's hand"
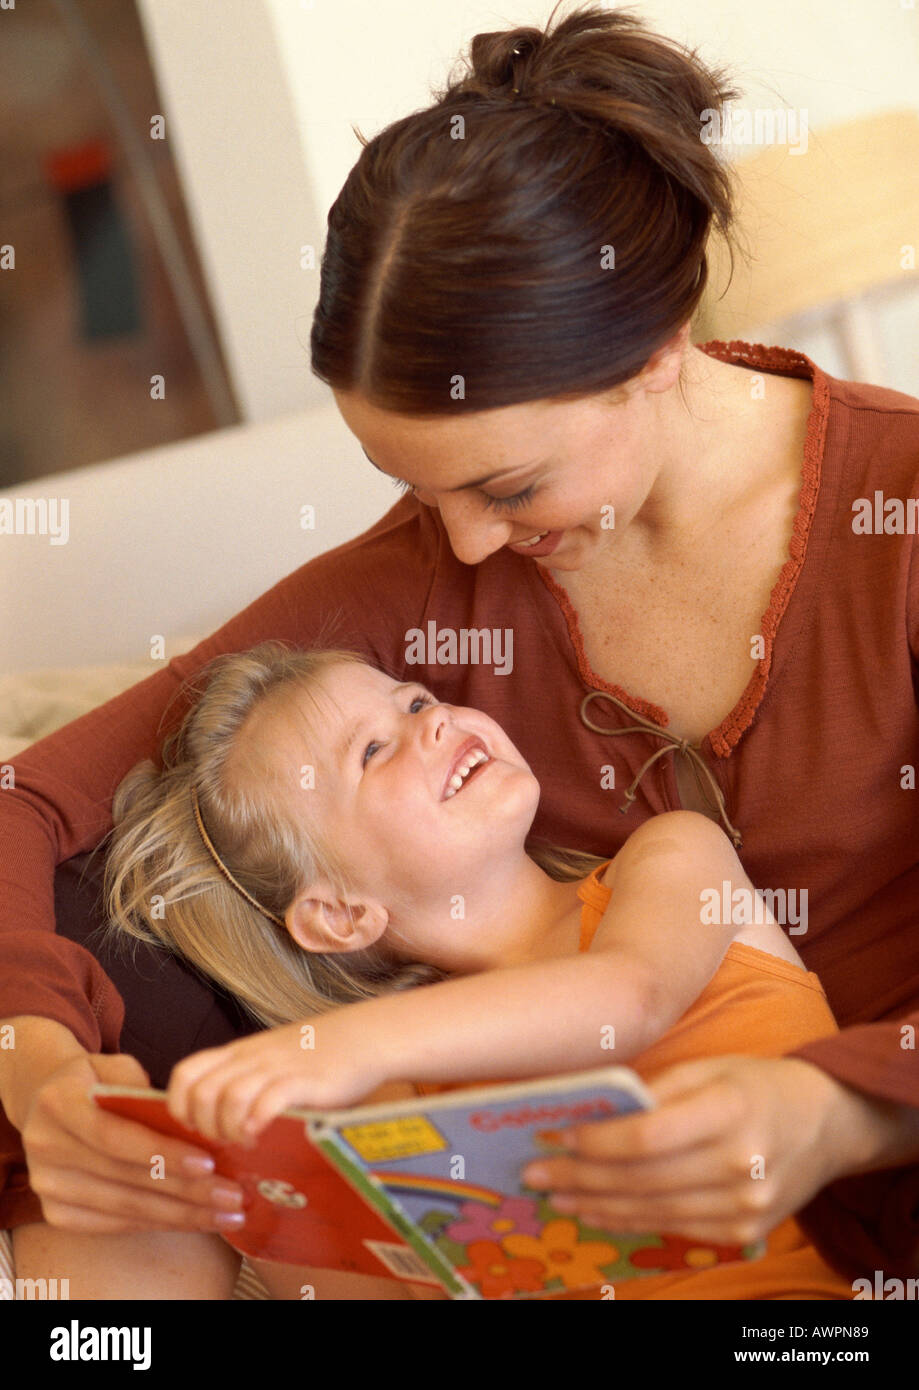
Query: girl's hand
(736, 1145)
(231, 1093)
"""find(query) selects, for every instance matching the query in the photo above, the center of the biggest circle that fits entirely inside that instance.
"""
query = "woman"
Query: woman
(507, 289)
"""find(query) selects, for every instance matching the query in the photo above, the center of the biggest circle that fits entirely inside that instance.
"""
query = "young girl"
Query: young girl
(322, 837)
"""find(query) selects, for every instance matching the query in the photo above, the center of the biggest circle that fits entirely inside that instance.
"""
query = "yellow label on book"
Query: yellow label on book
(397, 1138)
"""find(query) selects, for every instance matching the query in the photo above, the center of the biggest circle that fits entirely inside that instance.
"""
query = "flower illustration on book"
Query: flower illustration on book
(476, 1221)
(677, 1253)
(496, 1274)
(577, 1263)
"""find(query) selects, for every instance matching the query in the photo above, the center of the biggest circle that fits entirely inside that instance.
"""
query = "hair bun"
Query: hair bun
(607, 70)
(502, 60)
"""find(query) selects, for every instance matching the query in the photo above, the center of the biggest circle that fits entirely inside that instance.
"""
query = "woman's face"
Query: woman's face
(580, 471)
(386, 760)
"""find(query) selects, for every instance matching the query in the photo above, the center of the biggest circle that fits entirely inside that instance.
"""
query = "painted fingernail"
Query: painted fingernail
(536, 1176)
(560, 1203)
(198, 1165)
(229, 1220)
(227, 1197)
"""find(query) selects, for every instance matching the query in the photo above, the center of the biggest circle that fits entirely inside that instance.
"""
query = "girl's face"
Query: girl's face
(418, 797)
(580, 471)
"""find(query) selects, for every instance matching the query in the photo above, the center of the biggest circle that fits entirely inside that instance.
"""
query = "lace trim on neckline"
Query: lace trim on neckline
(725, 737)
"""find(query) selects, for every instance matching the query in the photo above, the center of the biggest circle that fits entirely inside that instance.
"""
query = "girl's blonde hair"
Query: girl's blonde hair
(161, 884)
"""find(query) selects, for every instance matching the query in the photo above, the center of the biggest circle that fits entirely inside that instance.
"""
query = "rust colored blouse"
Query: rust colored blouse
(815, 765)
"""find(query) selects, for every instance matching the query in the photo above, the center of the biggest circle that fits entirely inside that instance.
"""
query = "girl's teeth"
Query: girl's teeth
(534, 539)
(458, 778)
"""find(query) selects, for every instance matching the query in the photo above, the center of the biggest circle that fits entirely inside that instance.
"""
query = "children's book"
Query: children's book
(428, 1190)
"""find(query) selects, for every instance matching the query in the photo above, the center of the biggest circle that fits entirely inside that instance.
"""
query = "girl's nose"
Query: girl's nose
(435, 723)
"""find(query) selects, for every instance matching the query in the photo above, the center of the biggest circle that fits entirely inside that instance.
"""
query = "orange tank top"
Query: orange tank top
(755, 1003)
(759, 1005)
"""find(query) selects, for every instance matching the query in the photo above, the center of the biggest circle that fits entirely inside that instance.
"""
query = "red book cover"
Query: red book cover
(295, 1201)
(430, 1190)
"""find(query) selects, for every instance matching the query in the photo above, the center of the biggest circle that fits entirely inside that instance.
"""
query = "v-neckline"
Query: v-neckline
(721, 740)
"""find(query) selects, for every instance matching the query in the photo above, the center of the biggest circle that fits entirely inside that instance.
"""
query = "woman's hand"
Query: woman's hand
(231, 1093)
(736, 1145)
(95, 1172)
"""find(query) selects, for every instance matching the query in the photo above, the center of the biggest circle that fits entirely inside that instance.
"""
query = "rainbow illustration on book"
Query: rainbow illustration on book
(455, 1175)
(443, 1187)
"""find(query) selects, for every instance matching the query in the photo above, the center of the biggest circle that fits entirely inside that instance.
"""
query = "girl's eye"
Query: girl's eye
(403, 487)
(421, 700)
(519, 499)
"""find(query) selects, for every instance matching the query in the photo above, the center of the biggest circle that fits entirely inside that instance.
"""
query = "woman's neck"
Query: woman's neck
(700, 434)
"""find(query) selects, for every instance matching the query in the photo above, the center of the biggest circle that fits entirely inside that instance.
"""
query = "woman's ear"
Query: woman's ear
(319, 920)
(662, 370)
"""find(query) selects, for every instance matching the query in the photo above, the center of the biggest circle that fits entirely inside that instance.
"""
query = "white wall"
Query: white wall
(360, 59)
(262, 95)
(173, 541)
(231, 126)
(840, 59)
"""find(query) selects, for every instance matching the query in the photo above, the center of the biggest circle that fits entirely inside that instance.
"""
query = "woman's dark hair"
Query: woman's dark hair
(538, 233)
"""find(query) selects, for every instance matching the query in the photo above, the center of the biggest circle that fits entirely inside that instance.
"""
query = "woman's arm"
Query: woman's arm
(650, 959)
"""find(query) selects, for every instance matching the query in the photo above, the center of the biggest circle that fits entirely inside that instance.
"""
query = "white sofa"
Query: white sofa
(175, 540)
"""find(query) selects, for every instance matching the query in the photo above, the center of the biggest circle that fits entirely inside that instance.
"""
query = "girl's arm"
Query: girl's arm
(650, 959)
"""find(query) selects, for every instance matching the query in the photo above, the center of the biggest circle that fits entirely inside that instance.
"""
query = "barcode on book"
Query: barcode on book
(401, 1261)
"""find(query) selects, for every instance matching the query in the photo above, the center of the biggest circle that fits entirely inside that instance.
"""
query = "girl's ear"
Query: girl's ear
(319, 920)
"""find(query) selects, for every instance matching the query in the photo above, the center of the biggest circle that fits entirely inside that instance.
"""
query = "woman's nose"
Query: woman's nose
(473, 535)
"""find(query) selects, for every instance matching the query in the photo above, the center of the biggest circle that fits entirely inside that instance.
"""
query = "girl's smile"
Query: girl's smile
(471, 756)
(390, 762)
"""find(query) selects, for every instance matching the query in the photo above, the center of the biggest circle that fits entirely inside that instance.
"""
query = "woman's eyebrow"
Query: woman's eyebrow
(476, 482)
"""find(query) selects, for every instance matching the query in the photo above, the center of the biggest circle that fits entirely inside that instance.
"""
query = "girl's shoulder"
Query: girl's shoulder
(673, 833)
(726, 893)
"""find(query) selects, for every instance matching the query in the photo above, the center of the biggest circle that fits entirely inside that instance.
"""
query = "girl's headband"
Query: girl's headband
(272, 916)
